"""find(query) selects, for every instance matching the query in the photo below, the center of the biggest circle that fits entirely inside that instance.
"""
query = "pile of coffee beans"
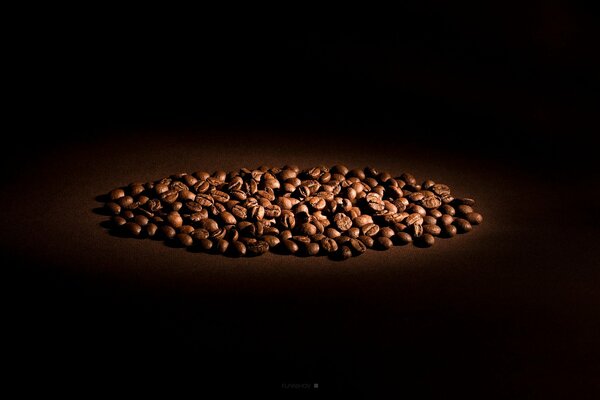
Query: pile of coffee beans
(334, 211)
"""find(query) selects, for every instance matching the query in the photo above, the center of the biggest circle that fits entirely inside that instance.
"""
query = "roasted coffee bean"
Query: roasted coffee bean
(370, 229)
(434, 230)
(428, 219)
(118, 221)
(353, 232)
(448, 231)
(127, 214)
(116, 194)
(386, 231)
(342, 239)
(448, 209)
(151, 229)
(345, 252)
(342, 221)
(174, 219)
(273, 241)
(383, 243)
(464, 209)
(308, 229)
(290, 246)
(222, 246)
(133, 228)
(445, 220)
(474, 218)
(312, 249)
(362, 220)
(168, 231)
(238, 248)
(417, 230)
(205, 244)
(414, 218)
(209, 224)
(184, 239)
(408, 178)
(200, 234)
(465, 201)
(329, 245)
(426, 240)
(141, 220)
(434, 213)
(258, 248)
(462, 225)
(227, 218)
(113, 208)
(403, 238)
(357, 247)
(332, 233)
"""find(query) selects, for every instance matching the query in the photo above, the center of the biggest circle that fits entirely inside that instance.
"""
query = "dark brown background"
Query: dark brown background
(496, 101)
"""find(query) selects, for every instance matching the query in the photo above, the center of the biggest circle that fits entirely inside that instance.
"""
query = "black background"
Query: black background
(515, 84)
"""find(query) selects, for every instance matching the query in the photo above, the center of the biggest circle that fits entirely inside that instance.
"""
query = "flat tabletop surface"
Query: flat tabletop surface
(508, 309)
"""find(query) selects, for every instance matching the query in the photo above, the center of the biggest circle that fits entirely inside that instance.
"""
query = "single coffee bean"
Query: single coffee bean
(133, 228)
(141, 220)
(273, 241)
(434, 213)
(474, 218)
(151, 229)
(116, 194)
(186, 229)
(429, 220)
(386, 231)
(175, 219)
(426, 240)
(205, 244)
(367, 240)
(127, 214)
(113, 208)
(417, 230)
(403, 238)
(383, 243)
(222, 246)
(464, 209)
(290, 246)
(408, 178)
(258, 248)
(445, 219)
(342, 221)
(370, 229)
(448, 231)
(431, 229)
(168, 231)
(228, 218)
(200, 234)
(345, 252)
(465, 201)
(414, 218)
(448, 209)
(357, 247)
(118, 221)
(329, 245)
(312, 249)
(209, 224)
(462, 225)
(332, 233)
(362, 220)
(184, 239)
(308, 229)
(342, 239)
(287, 234)
(239, 248)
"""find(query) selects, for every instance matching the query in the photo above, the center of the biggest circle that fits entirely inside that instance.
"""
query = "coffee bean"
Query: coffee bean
(426, 240)
(308, 229)
(116, 194)
(329, 245)
(133, 228)
(465, 201)
(151, 229)
(238, 248)
(448, 231)
(462, 225)
(141, 220)
(414, 218)
(431, 229)
(362, 220)
(429, 220)
(370, 229)
(383, 243)
(127, 214)
(345, 252)
(464, 209)
(227, 218)
(205, 244)
(290, 246)
(113, 208)
(118, 221)
(353, 232)
(448, 209)
(445, 219)
(342, 221)
(474, 218)
(273, 241)
(403, 238)
(184, 239)
(168, 231)
(357, 247)
(386, 231)
(312, 249)
(175, 219)
(434, 213)
(258, 248)
(209, 224)
(222, 246)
